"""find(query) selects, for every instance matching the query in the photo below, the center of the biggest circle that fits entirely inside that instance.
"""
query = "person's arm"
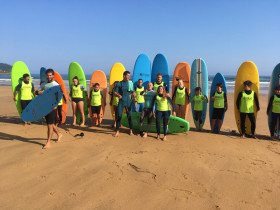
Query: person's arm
(154, 101)
(33, 89)
(171, 103)
(187, 93)
(238, 100)
(174, 93)
(226, 103)
(166, 87)
(40, 89)
(17, 89)
(257, 101)
(205, 98)
(212, 97)
(70, 93)
(269, 106)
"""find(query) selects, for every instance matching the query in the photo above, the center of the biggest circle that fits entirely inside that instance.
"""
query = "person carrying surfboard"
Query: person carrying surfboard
(139, 90)
(179, 98)
(51, 118)
(245, 103)
(124, 91)
(198, 100)
(95, 98)
(162, 110)
(274, 107)
(148, 110)
(220, 106)
(114, 102)
(76, 96)
(159, 82)
(26, 90)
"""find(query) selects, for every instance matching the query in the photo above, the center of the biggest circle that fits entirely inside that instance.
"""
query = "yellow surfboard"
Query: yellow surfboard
(116, 74)
(247, 71)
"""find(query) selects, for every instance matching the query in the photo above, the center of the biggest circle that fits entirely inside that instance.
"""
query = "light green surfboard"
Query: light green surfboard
(18, 70)
(76, 70)
(175, 124)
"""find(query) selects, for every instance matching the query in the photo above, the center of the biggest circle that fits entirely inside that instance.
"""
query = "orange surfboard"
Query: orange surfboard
(60, 81)
(183, 72)
(98, 76)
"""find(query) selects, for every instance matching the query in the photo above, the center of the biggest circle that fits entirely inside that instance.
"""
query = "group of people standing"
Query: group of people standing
(153, 101)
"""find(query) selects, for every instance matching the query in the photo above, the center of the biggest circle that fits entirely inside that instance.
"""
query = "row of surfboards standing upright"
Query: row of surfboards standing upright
(194, 76)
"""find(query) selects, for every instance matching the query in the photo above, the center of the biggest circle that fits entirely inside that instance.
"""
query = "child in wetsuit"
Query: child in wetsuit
(274, 108)
(114, 102)
(245, 103)
(198, 100)
(219, 98)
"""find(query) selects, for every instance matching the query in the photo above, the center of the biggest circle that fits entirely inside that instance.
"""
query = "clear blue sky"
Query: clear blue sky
(98, 34)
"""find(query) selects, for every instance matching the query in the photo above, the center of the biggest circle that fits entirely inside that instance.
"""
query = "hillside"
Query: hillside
(5, 68)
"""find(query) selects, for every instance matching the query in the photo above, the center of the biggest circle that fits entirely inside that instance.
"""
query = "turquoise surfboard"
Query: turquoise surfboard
(175, 124)
(40, 106)
(274, 81)
(219, 78)
(199, 78)
(160, 65)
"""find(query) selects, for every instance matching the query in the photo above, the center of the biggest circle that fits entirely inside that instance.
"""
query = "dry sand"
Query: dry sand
(194, 171)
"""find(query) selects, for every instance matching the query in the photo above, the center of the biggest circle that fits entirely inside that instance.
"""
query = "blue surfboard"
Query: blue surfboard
(43, 77)
(142, 70)
(199, 78)
(160, 65)
(274, 81)
(42, 105)
(219, 78)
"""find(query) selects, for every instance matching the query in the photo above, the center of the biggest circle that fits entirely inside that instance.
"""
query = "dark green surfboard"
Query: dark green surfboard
(175, 125)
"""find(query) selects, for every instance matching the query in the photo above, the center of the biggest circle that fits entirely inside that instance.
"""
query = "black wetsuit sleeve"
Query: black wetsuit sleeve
(166, 87)
(70, 93)
(171, 103)
(19, 86)
(238, 100)
(213, 94)
(225, 97)
(154, 100)
(90, 94)
(174, 92)
(101, 93)
(257, 101)
(187, 93)
(32, 84)
(269, 106)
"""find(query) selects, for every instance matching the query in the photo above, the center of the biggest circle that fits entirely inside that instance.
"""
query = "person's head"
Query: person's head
(126, 75)
(96, 86)
(140, 82)
(26, 77)
(115, 83)
(247, 85)
(277, 90)
(75, 80)
(219, 87)
(150, 86)
(197, 91)
(50, 74)
(159, 77)
(161, 90)
(180, 83)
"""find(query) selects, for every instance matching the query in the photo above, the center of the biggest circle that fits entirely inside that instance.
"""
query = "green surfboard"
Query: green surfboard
(175, 124)
(76, 70)
(18, 70)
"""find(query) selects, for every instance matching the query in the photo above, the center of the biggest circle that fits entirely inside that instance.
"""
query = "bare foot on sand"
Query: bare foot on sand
(131, 133)
(158, 137)
(164, 138)
(82, 125)
(116, 134)
(59, 138)
(145, 135)
(47, 145)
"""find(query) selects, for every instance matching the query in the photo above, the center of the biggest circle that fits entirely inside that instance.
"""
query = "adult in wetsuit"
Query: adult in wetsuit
(51, 118)
(124, 92)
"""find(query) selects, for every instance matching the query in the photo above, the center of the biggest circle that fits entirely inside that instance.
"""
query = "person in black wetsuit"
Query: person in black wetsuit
(245, 103)
(124, 91)
(274, 107)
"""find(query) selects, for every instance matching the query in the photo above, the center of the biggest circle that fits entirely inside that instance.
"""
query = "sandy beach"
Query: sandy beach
(196, 170)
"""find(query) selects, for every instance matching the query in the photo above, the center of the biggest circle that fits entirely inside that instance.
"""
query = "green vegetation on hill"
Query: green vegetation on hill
(5, 68)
